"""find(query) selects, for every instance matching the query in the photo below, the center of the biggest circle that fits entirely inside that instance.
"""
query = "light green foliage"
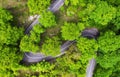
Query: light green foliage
(38, 6)
(71, 11)
(84, 14)
(100, 12)
(78, 14)
(116, 70)
(51, 47)
(43, 67)
(30, 43)
(9, 60)
(72, 2)
(102, 72)
(87, 48)
(47, 19)
(73, 6)
(71, 31)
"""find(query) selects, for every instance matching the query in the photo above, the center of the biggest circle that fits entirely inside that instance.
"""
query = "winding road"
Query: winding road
(53, 8)
(36, 21)
(30, 57)
(56, 5)
(91, 67)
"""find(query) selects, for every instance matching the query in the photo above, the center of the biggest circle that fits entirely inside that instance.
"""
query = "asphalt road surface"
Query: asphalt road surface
(30, 57)
(90, 68)
(56, 5)
(36, 21)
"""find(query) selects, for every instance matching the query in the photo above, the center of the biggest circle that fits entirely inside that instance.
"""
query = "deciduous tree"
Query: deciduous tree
(71, 31)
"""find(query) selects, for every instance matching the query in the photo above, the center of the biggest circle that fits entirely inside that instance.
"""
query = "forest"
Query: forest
(69, 22)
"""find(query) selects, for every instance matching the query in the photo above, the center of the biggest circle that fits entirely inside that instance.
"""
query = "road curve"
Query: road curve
(30, 57)
(53, 8)
(56, 5)
(36, 21)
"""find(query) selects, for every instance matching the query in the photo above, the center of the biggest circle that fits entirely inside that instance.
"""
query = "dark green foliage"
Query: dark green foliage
(108, 55)
(109, 72)
(9, 60)
(101, 72)
(116, 21)
(108, 60)
(4, 16)
(116, 70)
(114, 2)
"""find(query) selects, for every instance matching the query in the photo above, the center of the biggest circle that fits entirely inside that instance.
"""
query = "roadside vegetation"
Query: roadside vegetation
(53, 30)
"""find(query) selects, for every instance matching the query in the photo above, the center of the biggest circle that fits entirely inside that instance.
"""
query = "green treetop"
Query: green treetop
(71, 31)
(38, 6)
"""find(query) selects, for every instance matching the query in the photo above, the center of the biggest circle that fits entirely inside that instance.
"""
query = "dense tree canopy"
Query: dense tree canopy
(71, 31)
(87, 48)
(30, 43)
(98, 13)
(51, 47)
(108, 50)
(65, 25)
(38, 6)
(9, 41)
(47, 19)
(8, 34)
